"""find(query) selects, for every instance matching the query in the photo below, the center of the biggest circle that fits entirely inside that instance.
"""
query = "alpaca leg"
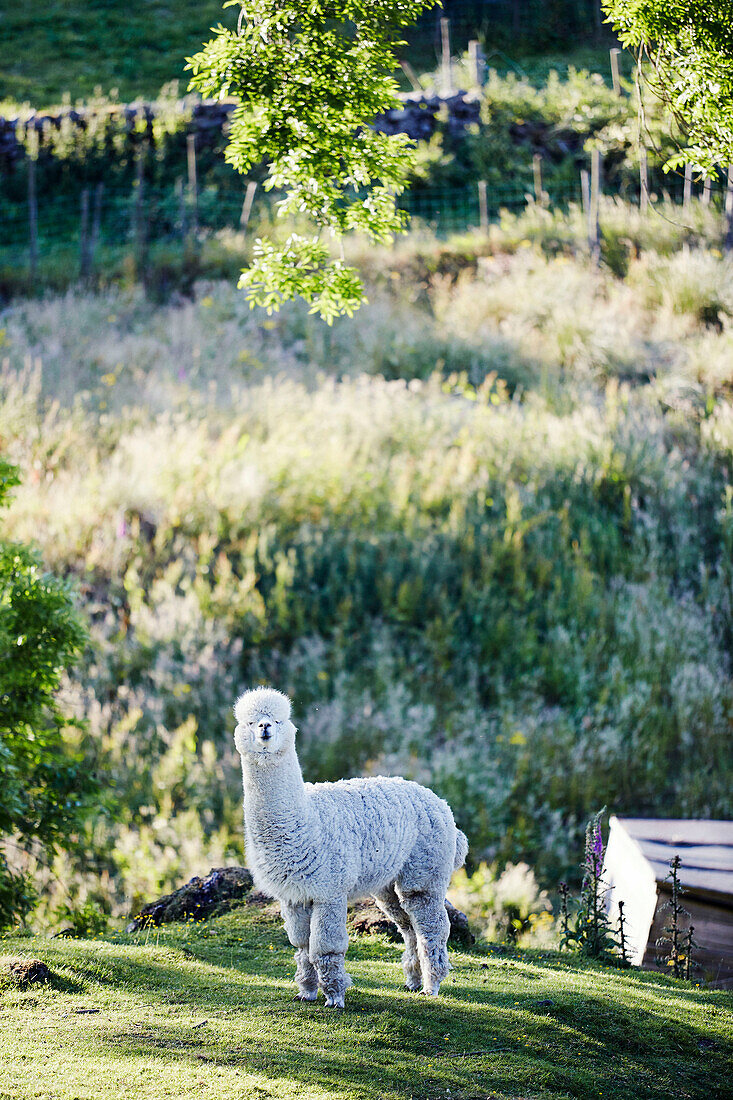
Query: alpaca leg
(432, 927)
(328, 944)
(298, 927)
(389, 903)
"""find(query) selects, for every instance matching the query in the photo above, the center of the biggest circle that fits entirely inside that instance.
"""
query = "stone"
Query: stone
(199, 898)
(366, 919)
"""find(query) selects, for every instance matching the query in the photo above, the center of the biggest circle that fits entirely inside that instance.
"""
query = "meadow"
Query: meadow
(207, 1010)
(481, 532)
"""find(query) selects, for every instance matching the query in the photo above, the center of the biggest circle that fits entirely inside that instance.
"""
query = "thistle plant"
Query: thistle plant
(564, 915)
(622, 935)
(690, 942)
(675, 935)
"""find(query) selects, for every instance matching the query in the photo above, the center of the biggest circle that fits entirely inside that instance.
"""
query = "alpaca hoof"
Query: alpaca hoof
(412, 988)
(333, 1003)
(306, 998)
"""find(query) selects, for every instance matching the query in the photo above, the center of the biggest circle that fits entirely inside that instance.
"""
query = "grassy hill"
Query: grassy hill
(481, 533)
(71, 46)
(207, 1011)
(74, 46)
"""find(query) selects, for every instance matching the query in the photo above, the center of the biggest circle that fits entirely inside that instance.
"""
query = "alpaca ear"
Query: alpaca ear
(239, 737)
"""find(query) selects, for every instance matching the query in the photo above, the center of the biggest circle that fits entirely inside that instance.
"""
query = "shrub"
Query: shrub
(45, 789)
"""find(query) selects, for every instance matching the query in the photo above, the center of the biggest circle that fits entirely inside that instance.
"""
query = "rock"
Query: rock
(259, 899)
(29, 972)
(367, 919)
(199, 898)
(459, 930)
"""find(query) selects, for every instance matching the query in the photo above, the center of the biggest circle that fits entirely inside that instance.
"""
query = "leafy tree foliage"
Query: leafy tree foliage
(45, 788)
(685, 48)
(309, 79)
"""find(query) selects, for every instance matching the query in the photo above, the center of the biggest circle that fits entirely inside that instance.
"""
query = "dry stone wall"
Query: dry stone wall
(418, 116)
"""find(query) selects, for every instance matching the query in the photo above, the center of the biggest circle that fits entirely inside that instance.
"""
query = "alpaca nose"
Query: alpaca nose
(264, 730)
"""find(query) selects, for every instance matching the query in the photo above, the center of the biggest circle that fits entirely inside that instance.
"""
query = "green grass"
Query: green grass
(73, 46)
(207, 1010)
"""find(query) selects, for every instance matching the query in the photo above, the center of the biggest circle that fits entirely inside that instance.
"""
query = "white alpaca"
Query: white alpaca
(316, 846)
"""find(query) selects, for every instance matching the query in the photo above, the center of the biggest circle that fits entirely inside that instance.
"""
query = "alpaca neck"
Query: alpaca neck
(277, 815)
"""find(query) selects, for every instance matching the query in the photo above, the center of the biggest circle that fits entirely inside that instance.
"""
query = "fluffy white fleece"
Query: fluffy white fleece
(316, 846)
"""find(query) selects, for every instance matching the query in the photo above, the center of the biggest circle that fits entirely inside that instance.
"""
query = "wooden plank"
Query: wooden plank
(679, 831)
(631, 880)
(718, 883)
(702, 857)
(713, 933)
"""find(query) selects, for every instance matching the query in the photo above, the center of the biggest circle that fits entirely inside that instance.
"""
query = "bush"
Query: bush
(45, 786)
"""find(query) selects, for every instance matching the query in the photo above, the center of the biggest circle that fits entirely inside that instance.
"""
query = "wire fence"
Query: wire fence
(103, 217)
(70, 233)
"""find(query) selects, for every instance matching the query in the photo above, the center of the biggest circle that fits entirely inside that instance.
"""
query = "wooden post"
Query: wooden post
(249, 198)
(643, 180)
(139, 217)
(84, 264)
(96, 223)
(706, 192)
(615, 78)
(585, 191)
(192, 183)
(412, 76)
(476, 63)
(595, 192)
(483, 207)
(728, 243)
(539, 196)
(446, 67)
(687, 192)
(181, 197)
(32, 215)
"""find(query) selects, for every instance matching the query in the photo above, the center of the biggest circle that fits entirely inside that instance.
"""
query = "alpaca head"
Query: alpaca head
(263, 728)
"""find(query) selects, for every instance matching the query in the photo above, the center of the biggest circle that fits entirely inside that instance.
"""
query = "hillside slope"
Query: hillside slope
(207, 1011)
(74, 45)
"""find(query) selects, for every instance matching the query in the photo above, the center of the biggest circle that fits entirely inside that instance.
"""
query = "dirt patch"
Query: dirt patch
(25, 972)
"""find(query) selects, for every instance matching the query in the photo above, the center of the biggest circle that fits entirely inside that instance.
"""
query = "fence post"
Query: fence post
(32, 212)
(412, 76)
(192, 183)
(687, 192)
(595, 192)
(539, 195)
(84, 264)
(643, 180)
(585, 191)
(483, 207)
(706, 192)
(446, 67)
(249, 198)
(615, 78)
(181, 197)
(476, 63)
(96, 223)
(139, 217)
(728, 243)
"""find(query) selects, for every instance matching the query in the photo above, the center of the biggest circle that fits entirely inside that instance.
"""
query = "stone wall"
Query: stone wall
(418, 117)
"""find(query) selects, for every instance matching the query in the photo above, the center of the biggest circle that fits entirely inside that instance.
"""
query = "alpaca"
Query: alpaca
(317, 846)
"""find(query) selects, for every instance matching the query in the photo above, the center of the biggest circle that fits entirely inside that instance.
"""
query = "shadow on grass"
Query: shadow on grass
(472, 1041)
